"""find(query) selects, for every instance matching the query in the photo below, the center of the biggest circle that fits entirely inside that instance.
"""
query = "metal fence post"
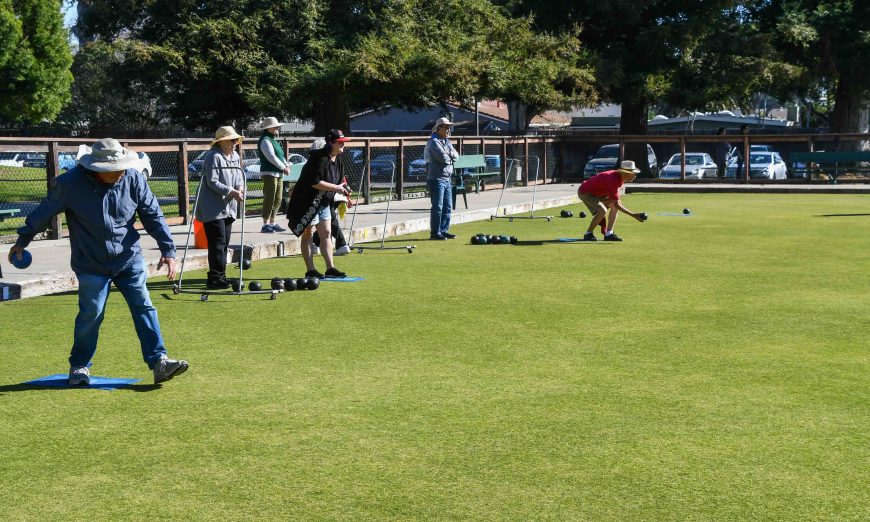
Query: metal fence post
(504, 172)
(525, 161)
(683, 159)
(544, 161)
(367, 173)
(183, 184)
(52, 171)
(400, 183)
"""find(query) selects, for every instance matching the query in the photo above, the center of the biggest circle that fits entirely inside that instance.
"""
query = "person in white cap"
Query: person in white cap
(600, 193)
(439, 155)
(102, 197)
(220, 198)
(273, 166)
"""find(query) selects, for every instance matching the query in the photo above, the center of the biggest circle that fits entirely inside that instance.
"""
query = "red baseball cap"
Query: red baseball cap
(335, 135)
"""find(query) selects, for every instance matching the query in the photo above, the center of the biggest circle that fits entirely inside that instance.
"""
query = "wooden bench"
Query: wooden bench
(828, 158)
(473, 168)
(9, 213)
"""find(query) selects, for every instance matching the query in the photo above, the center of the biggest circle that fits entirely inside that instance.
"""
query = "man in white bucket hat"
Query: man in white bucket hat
(600, 193)
(102, 197)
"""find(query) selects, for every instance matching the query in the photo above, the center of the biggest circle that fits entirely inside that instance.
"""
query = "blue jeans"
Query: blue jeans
(442, 205)
(93, 293)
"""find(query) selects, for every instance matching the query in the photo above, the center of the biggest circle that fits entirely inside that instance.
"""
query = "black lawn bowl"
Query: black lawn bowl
(582, 214)
(495, 240)
(253, 286)
(475, 240)
(504, 240)
(643, 216)
(483, 240)
(301, 283)
(513, 240)
(246, 264)
(289, 284)
(313, 284)
(277, 284)
(687, 211)
(566, 213)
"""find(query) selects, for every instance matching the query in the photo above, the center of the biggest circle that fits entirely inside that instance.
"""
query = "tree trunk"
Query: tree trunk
(516, 117)
(331, 112)
(633, 121)
(850, 113)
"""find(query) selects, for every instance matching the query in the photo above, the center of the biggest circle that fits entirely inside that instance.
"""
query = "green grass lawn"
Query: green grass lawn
(712, 367)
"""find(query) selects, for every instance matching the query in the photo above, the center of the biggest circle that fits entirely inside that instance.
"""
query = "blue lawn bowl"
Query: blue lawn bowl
(22, 262)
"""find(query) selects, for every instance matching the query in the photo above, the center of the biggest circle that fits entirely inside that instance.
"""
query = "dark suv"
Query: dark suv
(606, 158)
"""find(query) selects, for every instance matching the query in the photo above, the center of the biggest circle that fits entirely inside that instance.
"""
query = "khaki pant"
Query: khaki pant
(593, 203)
(272, 190)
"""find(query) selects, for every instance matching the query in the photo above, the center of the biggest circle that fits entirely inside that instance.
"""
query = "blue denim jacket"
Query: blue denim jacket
(100, 219)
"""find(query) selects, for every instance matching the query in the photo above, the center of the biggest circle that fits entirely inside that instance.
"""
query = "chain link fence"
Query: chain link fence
(381, 168)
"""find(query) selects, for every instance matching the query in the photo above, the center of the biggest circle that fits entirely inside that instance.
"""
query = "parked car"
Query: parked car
(383, 167)
(34, 160)
(762, 165)
(12, 159)
(698, 165)
(252, 170)
(607, 157)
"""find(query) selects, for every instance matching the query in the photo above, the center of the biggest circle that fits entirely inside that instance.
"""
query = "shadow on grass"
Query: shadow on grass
(842, 215)
(10, 388)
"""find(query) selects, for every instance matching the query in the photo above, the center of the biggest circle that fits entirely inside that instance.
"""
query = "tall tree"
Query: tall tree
(217, 61)
(35, 59)
(830, 41)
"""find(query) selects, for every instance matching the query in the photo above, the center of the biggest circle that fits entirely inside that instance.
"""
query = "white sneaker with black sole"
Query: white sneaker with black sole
(79, 376)
(167, 368)
(342, 250)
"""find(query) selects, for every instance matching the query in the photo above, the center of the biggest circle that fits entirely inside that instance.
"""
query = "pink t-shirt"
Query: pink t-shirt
(603, 185)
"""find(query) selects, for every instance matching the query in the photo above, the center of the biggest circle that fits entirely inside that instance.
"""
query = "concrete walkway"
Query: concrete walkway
(50, 272)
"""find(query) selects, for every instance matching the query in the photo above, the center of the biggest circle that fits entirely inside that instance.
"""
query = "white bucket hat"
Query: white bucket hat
(441, 121)
(629, 166)
(271, 122)
(108, 155)
(225, 133)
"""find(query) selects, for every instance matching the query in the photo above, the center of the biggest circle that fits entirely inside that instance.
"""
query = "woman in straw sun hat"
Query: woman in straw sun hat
(220, 196)
(273, 166)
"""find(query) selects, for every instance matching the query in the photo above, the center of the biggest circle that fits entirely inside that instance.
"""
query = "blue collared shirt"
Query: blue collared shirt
(100, 219)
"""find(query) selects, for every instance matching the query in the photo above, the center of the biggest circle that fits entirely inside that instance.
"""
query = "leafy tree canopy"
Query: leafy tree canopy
(34, 60)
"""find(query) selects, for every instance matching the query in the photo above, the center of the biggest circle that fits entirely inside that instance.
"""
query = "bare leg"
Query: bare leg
(324, 231)
(611, 219)
(306, 248)
(597, 218)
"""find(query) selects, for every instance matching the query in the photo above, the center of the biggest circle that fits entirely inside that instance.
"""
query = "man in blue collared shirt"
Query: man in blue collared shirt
(440, 155)
(101, 198)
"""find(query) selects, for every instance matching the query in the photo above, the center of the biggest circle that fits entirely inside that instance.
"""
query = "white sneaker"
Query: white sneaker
(79, 376)
(340, 251)
(167, 368)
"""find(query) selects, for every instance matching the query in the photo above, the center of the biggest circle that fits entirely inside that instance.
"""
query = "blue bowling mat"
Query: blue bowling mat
(342, 279)
(60, 380)
(568, 239)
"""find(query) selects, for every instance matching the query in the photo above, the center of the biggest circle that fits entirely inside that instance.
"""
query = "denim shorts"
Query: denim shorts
(323, 214)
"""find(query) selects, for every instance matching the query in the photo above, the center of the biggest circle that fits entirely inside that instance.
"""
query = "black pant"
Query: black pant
(340, 241)
(218, 234)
